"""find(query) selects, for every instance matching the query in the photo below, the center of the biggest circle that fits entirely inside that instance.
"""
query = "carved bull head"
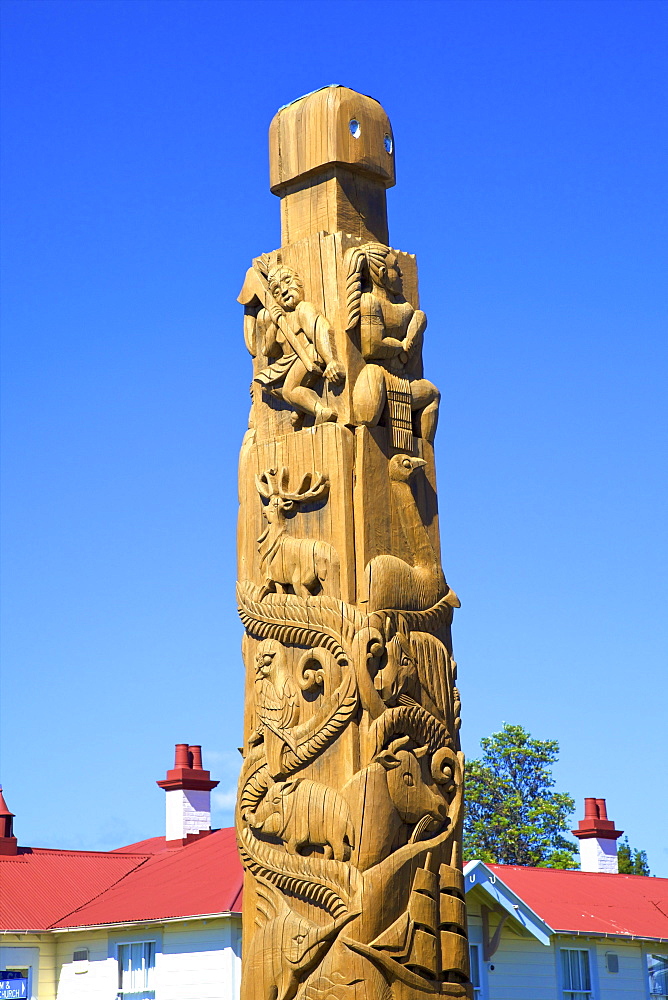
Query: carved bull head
(410, 783)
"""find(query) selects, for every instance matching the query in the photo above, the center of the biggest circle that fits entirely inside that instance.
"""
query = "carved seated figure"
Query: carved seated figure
(391, 334)
(296, 339)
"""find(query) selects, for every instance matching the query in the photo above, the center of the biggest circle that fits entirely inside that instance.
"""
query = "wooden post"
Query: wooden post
(350, 797)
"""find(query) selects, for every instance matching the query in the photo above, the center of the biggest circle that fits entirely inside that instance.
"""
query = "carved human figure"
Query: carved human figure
(296, 338)
(276, 703)
(391, 334)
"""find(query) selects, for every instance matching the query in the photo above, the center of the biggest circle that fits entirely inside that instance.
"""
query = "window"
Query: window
(657, 966)
(136, 970)
(611, 961)
(80, 961)
(575, 974)
(474, 955)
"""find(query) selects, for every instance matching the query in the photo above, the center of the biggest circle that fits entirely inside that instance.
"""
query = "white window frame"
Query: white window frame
(478, 991)
(147, 992)
(661, 952)
(565, 992)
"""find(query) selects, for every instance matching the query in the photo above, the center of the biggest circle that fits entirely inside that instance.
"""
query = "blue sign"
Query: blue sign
(13, 985)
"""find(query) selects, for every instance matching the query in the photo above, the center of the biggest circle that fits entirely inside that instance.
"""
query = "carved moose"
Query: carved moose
(399, 790)
(306, 565)
(306, 813)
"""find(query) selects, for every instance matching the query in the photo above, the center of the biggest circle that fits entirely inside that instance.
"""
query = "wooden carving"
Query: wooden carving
(350, 798)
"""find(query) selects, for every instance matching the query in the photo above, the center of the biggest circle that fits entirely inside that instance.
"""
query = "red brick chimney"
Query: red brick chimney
(598, 839)
(188, 799)
(8, 844)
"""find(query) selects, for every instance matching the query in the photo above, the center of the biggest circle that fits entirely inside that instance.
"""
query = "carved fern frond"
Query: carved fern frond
(315, 621)
(327, 883)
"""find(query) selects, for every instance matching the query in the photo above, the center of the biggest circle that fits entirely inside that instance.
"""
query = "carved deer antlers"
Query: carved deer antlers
(270, 483)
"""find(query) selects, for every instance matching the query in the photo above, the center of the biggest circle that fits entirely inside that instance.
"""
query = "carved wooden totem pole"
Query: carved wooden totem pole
(350, 797)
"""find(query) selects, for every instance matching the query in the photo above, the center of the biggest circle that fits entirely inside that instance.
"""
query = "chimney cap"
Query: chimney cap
(187, 772)
(596, 822)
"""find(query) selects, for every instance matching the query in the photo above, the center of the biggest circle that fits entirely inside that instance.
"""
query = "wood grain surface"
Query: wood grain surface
(350, 798)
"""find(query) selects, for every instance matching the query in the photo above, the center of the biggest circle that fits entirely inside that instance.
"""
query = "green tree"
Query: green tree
(512, 815)
(631, 862)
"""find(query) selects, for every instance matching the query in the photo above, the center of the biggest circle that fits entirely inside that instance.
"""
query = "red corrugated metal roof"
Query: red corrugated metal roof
(592, 903)
(37, 887)
(151, 846)
(43, 889)
(203, 877)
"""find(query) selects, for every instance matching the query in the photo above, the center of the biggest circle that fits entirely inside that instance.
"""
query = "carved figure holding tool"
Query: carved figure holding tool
(296, 338)
(391, 333)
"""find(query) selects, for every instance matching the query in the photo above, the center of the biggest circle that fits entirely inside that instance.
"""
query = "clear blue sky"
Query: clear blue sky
(531, 165)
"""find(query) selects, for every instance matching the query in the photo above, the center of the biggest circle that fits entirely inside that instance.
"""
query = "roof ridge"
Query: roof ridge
(572, 871)
(67, 850)
(97, 894)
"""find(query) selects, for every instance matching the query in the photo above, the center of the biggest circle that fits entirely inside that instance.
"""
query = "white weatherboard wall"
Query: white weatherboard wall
(188, 810)
(525, 969)
(598, 855)
(198, 959)
(632, 981)
(95, 980)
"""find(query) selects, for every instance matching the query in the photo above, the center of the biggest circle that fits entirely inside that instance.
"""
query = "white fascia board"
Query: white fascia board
(152, 921)
(476, 873)
(609, 935)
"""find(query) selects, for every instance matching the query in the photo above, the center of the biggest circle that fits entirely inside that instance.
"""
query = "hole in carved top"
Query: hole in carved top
(387, 142)
(355, 128)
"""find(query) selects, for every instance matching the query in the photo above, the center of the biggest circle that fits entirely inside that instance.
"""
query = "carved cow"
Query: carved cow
(306, 813)
(394, 791)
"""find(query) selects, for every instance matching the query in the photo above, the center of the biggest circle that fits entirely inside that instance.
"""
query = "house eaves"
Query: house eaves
(478, 875)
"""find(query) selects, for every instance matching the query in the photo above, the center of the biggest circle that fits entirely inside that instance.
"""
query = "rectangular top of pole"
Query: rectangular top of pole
(331, 159)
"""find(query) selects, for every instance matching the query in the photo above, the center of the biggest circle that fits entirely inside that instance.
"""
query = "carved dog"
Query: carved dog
(305, 813)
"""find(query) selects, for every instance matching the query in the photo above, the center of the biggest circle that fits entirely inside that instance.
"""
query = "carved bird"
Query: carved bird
(392, 582)
(276, 703)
